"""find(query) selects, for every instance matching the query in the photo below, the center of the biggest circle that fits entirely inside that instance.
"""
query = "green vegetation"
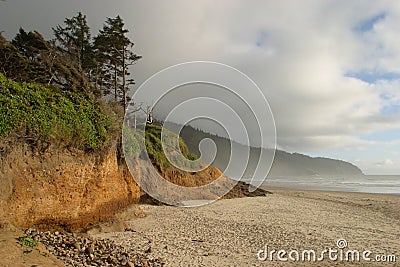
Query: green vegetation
(133, 143)
(74, 60)
(48, 114)
(155, 150)
(28, 241)
(55, 91)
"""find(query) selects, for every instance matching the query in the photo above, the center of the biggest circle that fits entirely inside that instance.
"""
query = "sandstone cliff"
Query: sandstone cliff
(62, 188)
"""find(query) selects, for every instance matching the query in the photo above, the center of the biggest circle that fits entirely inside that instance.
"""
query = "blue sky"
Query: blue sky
(369, 76)
(386, 135)
(368, 24)
(329, 69)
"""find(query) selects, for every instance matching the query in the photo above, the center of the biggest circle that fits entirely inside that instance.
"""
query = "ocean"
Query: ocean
(379, 184)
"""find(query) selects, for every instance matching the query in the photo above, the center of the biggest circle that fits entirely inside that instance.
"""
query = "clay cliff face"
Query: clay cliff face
(62, 188)
(208, 176)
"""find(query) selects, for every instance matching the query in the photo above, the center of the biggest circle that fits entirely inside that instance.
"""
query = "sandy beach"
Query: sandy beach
(232, 232)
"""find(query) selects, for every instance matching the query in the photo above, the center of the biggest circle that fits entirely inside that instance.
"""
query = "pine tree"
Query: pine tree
(12, 63)
(75, 40)
(75, 47)
(38, 52)
(73, 61)
(29, 44)
(31, 58)
(114, 53)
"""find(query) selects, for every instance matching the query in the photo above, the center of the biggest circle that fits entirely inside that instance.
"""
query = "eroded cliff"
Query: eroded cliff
(62, 188)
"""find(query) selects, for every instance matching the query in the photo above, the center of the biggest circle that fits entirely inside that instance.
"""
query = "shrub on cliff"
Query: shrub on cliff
(48, 114)
(155, 150)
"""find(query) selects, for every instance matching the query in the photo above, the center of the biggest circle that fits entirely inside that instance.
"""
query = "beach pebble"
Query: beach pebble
(77, 250)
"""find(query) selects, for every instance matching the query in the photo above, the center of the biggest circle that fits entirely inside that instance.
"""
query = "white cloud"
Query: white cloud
(298, 52)
(386, 162)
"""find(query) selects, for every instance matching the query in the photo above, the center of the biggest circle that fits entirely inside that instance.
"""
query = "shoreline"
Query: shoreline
(300, 189)
(376, 184)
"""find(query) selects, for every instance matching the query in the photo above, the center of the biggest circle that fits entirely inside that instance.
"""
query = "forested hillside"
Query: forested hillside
(284, 164)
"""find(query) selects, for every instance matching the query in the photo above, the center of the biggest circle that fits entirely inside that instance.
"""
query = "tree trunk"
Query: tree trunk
(115, 83)
(124, 79)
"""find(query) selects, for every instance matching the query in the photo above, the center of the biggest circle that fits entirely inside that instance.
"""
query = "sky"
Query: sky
(330, 70)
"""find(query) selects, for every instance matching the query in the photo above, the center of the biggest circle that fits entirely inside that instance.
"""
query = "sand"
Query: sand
(232, 232)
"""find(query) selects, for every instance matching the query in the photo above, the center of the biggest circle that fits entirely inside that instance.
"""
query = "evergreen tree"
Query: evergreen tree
(37, 51)
(29, 44)
(114, 53)
(44, 62)
(75, 39)
(73, 61)
(12, 63)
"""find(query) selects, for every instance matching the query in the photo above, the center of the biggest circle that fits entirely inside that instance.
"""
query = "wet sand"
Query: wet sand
(232, 232)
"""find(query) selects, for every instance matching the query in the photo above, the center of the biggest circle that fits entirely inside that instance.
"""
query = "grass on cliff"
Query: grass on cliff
(47, 114)
(134, 146)
(155, 150)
